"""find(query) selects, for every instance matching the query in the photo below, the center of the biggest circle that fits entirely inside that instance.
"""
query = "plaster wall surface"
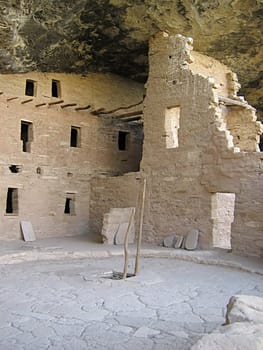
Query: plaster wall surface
(53, 169)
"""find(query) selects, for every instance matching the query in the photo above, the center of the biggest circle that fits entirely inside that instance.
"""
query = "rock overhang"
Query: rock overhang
(112, 35)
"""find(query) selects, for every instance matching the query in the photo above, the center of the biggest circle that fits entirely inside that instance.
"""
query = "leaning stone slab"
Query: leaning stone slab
(178, 242)
(27, 231)
(168, 242)
(191, 240)
(115, 224)
(108, 232)
(245, 308)
(121, 233)
(237, 336)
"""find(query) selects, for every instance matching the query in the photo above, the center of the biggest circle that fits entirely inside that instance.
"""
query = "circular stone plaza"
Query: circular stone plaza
(60, 294)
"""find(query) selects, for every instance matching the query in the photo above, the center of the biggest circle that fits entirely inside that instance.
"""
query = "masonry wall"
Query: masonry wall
(216, 149)
(113, 192)
(54, 170)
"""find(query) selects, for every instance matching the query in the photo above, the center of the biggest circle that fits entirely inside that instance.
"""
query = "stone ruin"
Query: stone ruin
(75, 146)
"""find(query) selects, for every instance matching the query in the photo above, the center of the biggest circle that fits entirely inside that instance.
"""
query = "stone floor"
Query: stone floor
(53, 300)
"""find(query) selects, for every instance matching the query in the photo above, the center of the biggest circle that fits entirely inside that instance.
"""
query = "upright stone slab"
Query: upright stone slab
(115, 225)
(168, 241)
(178, 242)
(191, 240)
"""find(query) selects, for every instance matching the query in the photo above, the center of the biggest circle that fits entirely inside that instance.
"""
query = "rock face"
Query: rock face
(112, 35)
(243, 336)
(245, 308)
(244, 330)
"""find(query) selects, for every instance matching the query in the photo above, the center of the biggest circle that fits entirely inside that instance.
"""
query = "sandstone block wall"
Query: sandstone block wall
(113, 192)
(216, 151)
(54, 177)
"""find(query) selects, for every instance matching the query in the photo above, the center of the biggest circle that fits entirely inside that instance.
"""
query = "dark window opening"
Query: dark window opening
(55, 90)
(123, 140)
(26, 136)
(75, 137)
(15, 168)
(30, 87)
(12, 201)
(70, 204)
(261, 143)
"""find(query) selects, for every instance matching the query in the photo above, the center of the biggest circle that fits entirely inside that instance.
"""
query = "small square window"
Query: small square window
(55, 89)
(30, 89)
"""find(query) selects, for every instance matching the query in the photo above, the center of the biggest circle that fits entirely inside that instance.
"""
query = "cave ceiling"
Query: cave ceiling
(111, 35)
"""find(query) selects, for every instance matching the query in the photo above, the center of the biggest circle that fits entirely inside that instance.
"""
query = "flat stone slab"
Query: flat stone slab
(27, 231)
(191, 240)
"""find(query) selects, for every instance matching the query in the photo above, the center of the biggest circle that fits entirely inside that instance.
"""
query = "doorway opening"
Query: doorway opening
(223, 206)
(172, 125)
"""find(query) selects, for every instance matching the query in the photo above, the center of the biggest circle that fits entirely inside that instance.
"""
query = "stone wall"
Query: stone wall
(215, 152)
(113, 192)
(54, 172)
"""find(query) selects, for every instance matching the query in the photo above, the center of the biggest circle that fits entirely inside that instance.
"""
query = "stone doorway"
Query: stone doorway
(223, 205)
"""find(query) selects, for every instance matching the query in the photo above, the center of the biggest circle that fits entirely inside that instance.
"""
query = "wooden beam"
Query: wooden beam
(11, 99)
(123, 107)
(55, 102)
(131, 119)
(83, 108)
(40, 104)
(68, 105)
(231, 102)
(130, 114)
(98, 111)
(26, 101)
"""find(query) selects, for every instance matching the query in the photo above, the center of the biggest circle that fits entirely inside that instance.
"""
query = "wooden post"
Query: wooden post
(139, 238)
(126, 252)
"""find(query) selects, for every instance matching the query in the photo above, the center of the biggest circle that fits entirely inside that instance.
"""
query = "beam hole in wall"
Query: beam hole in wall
(26, 135)
(30, 89)
(12, 201)
(75, 136)
(223, 205)
(55, 88)
(123, 140)
(70, 204)
(15, 168)
(172, 125)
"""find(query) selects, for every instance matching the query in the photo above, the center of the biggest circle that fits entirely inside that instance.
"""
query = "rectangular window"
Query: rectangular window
(12, 201)
(30, 89)
(26, 135)
(172, 125)
(123, 139)
(55, 89)
(75, 136)
(70, 204)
